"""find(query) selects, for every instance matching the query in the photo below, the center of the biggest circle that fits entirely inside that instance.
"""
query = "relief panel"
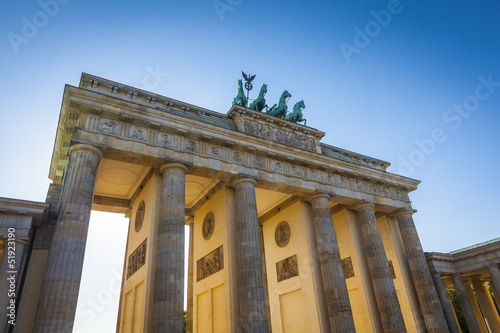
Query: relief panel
(210, 264)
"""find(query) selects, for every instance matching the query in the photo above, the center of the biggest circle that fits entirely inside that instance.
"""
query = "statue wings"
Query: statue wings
(248, 78)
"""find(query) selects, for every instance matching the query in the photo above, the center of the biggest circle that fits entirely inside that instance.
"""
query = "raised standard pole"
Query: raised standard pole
(332, 273)
(383, 285)
(168, 290)
(63, 272)
(434, 317)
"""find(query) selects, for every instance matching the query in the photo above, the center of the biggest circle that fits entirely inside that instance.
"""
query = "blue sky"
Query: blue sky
(402, 84)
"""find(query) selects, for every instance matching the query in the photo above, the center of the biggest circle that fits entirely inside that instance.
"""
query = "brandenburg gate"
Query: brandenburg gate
(286, 233)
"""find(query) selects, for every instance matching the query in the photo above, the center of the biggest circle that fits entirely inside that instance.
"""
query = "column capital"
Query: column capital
(189, 221)
(173, 166)
(83, 146)
(23, 241)
(243, 180)
(403, 212)
(317, 195)
(364, 204)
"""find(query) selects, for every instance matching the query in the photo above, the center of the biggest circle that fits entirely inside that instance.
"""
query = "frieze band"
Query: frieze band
(112, 127)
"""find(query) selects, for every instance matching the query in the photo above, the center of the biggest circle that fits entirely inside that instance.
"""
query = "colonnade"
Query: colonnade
(57, 304)
(476, 303)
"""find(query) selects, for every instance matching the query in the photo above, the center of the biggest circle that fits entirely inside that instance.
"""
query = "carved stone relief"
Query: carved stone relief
(386, 192)
(295, 170)
(237, 157)
(330, 179)
(137, 259)
(139, 216)
(208, 226)
(138, 134)
(278, 167)
(165, 140)
(278, 135)
(214, 151)
(287, 268)
(107, 126)
(191, 146)
(259, 162)
(345, 181)
(210, 264)
(393, 272)
(347, 266)
(399, 195)
(282, 234)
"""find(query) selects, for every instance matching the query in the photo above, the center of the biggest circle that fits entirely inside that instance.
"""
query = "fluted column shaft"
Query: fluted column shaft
(168, 290)
(63, 272)
(475, 307)
(467, 310)
(252, 290)
(445, 303)
(489, 315)
(495, 278)
(434, 317)
(189, 317)
(332, 273)
(383, 285)
(9, 279)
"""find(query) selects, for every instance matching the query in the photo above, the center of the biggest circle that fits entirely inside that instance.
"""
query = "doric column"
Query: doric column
(435, 320)
(63, 271)
(332, 273)
(495, 278)
(383, 285)
(445, 303)
(9, 278)
(189, 317)
(252, 290)
(475, 307)
(466, 306)
(261, 232)
(489, 315)
(490, 298)
(168, 289)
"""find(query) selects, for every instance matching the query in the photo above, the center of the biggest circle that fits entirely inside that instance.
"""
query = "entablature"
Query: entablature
(129, 128)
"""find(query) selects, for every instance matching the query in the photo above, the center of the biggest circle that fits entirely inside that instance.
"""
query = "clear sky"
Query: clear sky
(411, 82)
